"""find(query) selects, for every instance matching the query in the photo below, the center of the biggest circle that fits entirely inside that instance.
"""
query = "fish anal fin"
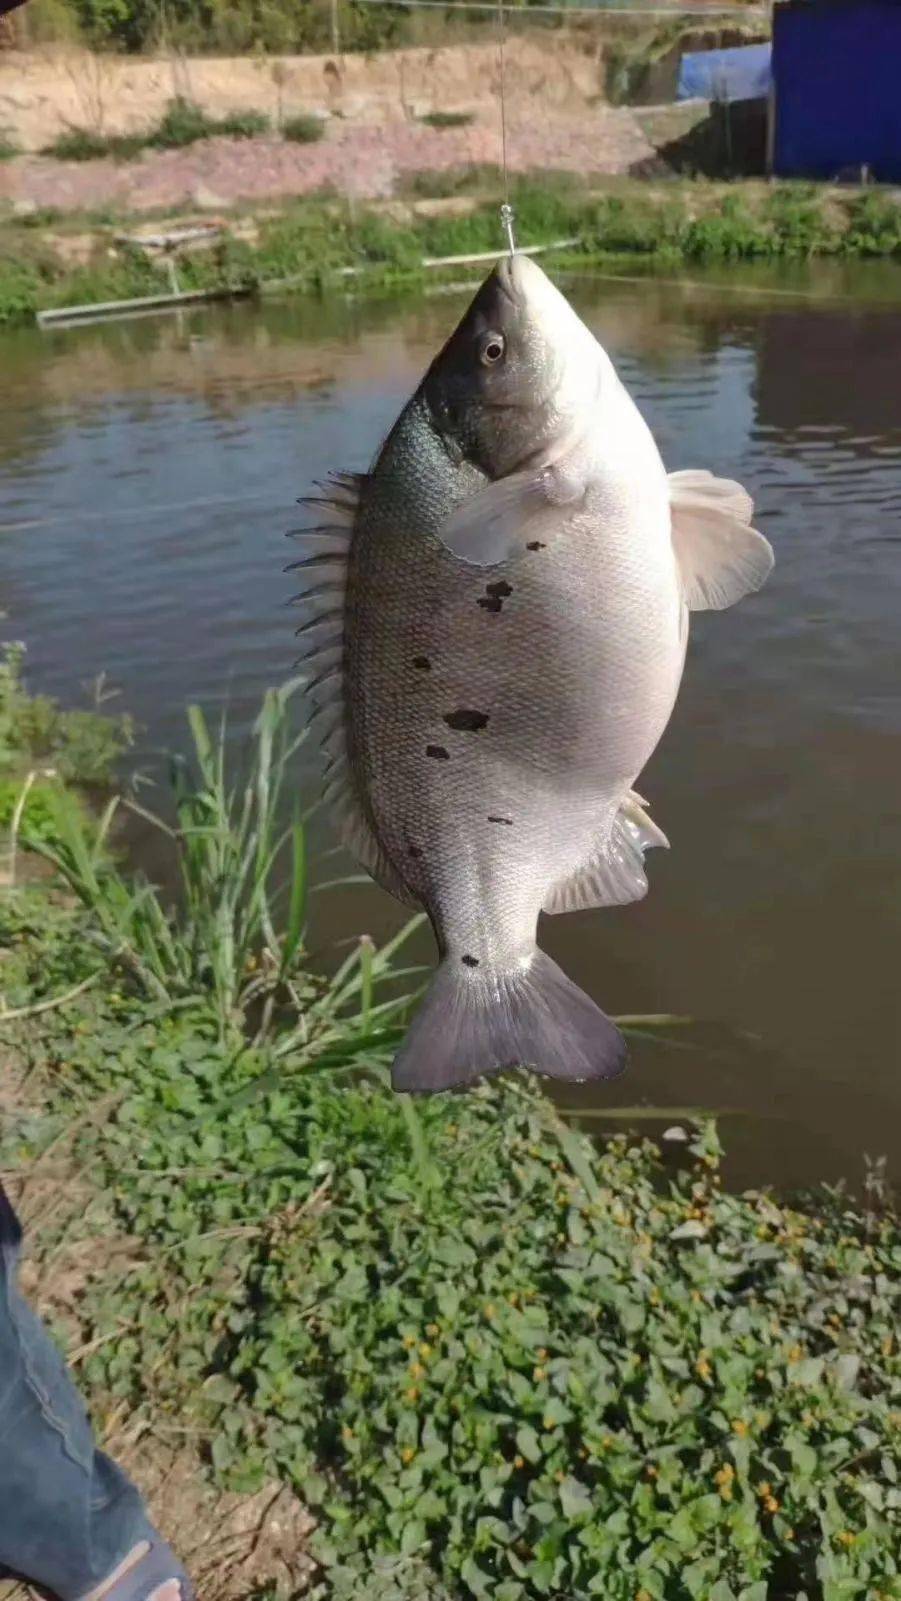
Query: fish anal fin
(325, 550)
(614, 875)
(720, 557)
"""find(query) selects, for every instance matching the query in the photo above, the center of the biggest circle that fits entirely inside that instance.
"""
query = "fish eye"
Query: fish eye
(491, 349)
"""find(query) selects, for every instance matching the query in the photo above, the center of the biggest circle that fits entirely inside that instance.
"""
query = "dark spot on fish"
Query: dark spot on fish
(470, 961)
(465, 720)
(507, 820)
(437, 751)
(495, 594)
(423, 663)
(535, 544)
(415, 852)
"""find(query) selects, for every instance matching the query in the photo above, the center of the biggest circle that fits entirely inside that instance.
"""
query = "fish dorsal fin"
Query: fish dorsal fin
(502, 517)
(614, 874)
(323, 564)
(720, 557)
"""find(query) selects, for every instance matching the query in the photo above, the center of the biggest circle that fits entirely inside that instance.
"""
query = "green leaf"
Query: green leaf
(528, 1443)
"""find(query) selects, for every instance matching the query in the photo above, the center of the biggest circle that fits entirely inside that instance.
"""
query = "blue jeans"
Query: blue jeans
(68, 1514)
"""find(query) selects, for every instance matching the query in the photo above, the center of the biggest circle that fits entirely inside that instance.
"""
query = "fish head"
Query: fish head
(517, 374)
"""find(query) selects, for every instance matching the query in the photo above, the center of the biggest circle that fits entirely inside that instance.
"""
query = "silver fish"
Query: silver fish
(498, 619)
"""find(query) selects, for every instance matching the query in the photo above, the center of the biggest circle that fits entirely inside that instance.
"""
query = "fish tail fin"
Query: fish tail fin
(470, 1025)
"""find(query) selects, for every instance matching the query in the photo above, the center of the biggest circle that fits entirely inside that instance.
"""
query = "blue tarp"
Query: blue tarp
(838, 91)
(739, 74)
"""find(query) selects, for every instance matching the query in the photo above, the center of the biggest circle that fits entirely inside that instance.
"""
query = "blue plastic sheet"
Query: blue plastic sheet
(743, 73)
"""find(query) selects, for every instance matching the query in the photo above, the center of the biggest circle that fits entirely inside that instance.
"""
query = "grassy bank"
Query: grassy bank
(311, 244)
(491, 1358)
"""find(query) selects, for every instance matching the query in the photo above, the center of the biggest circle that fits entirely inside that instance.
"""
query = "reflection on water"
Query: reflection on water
(149, 470)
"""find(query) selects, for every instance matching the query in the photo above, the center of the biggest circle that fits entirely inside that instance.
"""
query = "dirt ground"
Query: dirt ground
(372, 107)
(44, 92)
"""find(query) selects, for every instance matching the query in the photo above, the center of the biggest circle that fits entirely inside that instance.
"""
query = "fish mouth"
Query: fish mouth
(507, 278)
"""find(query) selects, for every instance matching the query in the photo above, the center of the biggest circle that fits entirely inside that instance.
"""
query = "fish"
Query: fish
(495, 633)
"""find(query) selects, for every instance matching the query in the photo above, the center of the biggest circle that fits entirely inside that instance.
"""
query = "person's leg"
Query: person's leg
(69, 1517)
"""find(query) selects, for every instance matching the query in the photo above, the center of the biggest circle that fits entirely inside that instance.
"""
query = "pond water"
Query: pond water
(149, 468)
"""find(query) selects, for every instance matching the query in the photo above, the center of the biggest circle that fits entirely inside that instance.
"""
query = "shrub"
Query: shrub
(80, 144)
(182, 123)
(874, 226)
(242, 124)
(81, 745)
(38, 815)
(447, 119)
(76, 144)
(303, 129)
(8, 146)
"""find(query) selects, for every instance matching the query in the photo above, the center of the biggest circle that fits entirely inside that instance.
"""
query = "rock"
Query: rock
(206, 200)
(24, 208)
(675, 1135)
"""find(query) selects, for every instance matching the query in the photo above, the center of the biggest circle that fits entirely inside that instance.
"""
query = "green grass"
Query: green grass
(235, 943)
(497, 1360)
(8, 146)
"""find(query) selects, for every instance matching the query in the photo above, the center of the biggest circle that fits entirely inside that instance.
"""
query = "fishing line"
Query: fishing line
(506, 208)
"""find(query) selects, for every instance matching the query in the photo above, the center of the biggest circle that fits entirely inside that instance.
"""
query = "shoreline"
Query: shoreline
(49, 262)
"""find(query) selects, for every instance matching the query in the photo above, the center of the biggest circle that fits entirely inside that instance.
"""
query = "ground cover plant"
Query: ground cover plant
(495, 1360)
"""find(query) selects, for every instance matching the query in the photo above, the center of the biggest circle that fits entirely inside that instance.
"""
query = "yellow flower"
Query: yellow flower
(490, 1310)
(539, 1373)
(407, 1454)
(703, 1368)
(763, 1490)
(347, 1433)
(432, 1330)
(796, 1353)
(651, 1471)
(771, 1504)
(412, 1394)
(416, 1370)
(409, 1341)
(846, 1538)
(425, 1350)
(541, 1354)
(519, 1462)
(739, 1427)
(548, 1423)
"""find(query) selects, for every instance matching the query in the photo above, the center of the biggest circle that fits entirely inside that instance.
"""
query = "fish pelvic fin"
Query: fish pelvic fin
(470, 1026)
(614, 874)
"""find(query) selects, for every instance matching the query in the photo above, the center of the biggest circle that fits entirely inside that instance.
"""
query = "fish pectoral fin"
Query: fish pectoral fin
(614, 875)
(720, 557)
(502, 518)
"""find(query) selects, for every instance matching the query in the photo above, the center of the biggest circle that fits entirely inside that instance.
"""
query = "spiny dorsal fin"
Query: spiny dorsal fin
(720, 557)
(323, 567)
